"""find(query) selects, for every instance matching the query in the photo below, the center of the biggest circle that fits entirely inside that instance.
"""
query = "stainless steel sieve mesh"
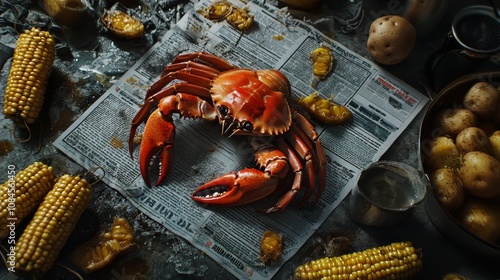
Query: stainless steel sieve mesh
(477, 29)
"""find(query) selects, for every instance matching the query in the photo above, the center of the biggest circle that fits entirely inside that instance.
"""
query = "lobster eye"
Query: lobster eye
(223, 110)
(247, 126)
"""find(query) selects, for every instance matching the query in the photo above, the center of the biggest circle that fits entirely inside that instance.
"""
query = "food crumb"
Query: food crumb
(117, 143)
(137, 138)
(279, 37)
(5, 147)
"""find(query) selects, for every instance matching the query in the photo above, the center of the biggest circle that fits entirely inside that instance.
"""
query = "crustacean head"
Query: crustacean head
(251, 102)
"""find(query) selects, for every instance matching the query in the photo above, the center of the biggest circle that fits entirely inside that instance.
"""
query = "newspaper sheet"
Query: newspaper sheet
(382, 107)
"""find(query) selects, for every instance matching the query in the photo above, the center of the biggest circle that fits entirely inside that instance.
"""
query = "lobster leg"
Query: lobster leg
(204, 57)
(207, 70)
(307, 155)
(159, 132)
(311, 133)
(191, 75)
(184, 68)
(249, 184)
(297, 179)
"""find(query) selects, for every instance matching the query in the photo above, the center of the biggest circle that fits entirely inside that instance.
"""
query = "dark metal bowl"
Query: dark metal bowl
(449, 97)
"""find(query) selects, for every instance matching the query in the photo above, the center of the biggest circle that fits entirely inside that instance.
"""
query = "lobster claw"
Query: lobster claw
(158, 138)
(236, 188)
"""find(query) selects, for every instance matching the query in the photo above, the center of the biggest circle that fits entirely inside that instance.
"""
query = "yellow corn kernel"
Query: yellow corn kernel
(240, 19)
(104, 247)
(123, 25)
(21, 194)
(29, 74)
(271, 247)
(325, 110)
(322, 59)
(218, 10)
(237, 17)
(395, 261)
(56, 217)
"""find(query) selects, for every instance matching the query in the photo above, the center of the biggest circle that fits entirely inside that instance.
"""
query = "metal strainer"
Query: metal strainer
(477, 29)
(475, 33)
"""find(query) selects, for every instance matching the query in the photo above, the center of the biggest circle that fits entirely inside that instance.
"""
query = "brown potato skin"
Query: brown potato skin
(480, 174)
(495, 144)
(482, 218)
(472, 139)
(482, 99)
(454, 120)
(449, 190)
(391, 39)
(442, 152)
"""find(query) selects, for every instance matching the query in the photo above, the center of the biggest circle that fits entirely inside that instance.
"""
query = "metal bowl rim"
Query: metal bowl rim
(436, 102)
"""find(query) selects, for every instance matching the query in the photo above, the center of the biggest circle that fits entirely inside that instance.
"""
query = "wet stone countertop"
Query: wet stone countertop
(90, 59)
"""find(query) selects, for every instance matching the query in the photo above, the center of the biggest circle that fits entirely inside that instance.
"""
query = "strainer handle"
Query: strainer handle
(450, 45)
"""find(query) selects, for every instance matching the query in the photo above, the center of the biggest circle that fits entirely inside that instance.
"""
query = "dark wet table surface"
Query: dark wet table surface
(82, 72)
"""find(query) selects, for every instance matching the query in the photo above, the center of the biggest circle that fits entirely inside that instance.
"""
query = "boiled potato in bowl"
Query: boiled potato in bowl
(460, 153)
(473, 139)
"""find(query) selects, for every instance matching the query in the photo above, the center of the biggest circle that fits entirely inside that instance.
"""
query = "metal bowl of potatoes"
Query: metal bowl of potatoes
(460, 154)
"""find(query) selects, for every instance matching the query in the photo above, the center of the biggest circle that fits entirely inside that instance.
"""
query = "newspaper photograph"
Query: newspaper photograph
(382, 107)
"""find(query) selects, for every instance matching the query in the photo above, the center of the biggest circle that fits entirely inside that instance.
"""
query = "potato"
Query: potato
(482, 99)
(472, 139)
(454, 120)
(480, 174)
(391, 39)
(482, 218)
(454, 276)
(495, 144)
(449, 191)
(441, 152)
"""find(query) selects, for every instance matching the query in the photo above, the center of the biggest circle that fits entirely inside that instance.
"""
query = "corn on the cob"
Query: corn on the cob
(29, 75)
(21, 194)
(42, 240)
(395, 261)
